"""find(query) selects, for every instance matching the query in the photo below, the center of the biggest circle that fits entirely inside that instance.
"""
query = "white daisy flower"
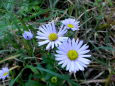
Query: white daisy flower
(50, 36)
(72, 54)
(4, 73)
(71, 24)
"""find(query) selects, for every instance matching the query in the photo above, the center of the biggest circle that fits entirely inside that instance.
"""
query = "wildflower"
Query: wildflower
(4, 73)
(50, 36)
(27, 35)
(72, 55)
(71, 24)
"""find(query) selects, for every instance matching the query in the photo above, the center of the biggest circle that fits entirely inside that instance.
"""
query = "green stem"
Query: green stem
(3, 83)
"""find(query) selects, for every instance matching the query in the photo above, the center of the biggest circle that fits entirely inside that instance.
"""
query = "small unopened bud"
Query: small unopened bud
(54, 79)
(27, 35)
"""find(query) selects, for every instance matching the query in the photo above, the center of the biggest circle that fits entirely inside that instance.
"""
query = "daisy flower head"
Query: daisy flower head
(48, 35)
(4, 73)
(72, 54)
(27, 35)
(71, 24)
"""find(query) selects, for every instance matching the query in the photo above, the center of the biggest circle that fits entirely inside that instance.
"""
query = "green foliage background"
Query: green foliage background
(34, 66)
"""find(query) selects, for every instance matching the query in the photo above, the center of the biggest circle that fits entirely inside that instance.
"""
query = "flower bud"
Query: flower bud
(54, 79)
(27, 35)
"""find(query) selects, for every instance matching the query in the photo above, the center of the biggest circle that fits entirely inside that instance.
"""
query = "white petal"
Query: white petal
(41, 29)
(39, 37)
(68, 65)
(48, 46)
(61, 52)
(84, 52)
(53, 27)
(73, 29)
(77, 41)
(44, 29)
(83, 60)
(65, 22)
(57, 43)
(79, 45)
(62, 31)
(43, 42)
(73, 43)
(81, 56)
(64, 64)
(72, 66)
(61, 62)
(58, 55)
(64, 48)
(49, 29)
(70, 44)
(84, 47)
(52, 45)
(75, 68)
(62, 39)
(41, 34)
(84, 65)
(79, 66)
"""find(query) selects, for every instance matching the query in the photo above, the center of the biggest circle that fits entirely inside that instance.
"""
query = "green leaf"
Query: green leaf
(9, 58)
(64, 77)
(33, 69)
(33, 83)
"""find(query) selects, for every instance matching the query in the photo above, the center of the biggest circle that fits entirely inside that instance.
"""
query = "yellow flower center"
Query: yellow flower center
(53, 36)
(70, 26)
(72, 54)
(6, 73)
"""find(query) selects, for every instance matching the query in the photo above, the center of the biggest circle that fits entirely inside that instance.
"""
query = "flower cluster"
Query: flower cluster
(70, 53)
(4, 73)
